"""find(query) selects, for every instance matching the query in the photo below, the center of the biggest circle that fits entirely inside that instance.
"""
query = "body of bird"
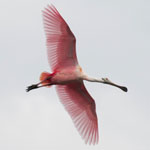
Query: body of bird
(68, 76)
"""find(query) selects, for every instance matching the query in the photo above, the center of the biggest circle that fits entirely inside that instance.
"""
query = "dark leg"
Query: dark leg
(35, 86)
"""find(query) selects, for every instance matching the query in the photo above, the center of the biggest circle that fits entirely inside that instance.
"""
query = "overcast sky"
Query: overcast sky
(113, 40)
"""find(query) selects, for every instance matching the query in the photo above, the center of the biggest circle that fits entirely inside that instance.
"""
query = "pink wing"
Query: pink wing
(81, 107)
(60, 40)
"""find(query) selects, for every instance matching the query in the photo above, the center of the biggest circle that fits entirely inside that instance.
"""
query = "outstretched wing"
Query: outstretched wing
(81, 107)
(60, 40)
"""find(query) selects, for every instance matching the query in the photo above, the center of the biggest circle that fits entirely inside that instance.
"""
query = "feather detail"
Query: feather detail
(81, 107)
(60, 40)
(61, 49)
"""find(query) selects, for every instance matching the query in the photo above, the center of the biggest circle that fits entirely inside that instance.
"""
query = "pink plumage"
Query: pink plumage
(60, 40)
(68, 76)
(74, 96)
(81, 106)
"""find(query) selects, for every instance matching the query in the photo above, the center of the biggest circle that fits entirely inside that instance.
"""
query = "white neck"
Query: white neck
(105, 81)
(90, 79)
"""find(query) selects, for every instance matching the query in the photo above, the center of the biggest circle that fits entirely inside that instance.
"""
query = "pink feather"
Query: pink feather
(60, 40)
(81, 107)
(61, 50)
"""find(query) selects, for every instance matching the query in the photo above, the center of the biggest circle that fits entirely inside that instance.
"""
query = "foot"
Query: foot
(34, 86)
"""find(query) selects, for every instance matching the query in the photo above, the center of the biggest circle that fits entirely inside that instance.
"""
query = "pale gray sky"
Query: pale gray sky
(113, 40)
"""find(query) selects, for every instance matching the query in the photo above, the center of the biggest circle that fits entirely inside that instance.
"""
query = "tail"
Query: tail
(45, 78)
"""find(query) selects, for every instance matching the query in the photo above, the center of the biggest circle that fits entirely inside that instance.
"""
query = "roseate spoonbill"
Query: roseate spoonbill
(68, 76)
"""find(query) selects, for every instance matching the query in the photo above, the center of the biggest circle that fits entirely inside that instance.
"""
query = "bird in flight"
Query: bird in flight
(68, 76)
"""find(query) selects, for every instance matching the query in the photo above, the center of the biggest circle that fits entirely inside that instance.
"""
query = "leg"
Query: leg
(35, 86)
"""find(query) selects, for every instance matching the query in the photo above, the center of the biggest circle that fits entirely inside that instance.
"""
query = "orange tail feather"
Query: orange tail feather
(45, 78)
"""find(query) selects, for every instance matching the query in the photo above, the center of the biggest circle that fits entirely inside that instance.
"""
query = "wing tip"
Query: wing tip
(88, 131)
(51, 9)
